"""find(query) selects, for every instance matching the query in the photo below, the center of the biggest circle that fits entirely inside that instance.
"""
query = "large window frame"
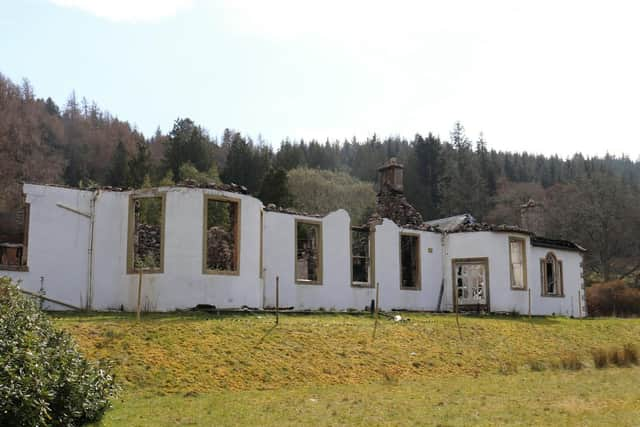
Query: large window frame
(318, 281)
(236, 234)
(20, 248)
(522, 242)
(370, 257)
(552, 260)
(131, 268)
(418, 257)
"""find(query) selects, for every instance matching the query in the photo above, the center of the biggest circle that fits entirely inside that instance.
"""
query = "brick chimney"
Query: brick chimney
(391, 202)
(532, 217)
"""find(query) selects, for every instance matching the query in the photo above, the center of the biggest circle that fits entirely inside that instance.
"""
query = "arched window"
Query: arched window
(551, 275)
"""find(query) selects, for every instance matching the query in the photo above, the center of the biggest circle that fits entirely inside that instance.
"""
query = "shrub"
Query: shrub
(613, 299)
(44, 379)
(600, 359)
(536, 365)
(617, 357)
(631, 354)
(571, 362)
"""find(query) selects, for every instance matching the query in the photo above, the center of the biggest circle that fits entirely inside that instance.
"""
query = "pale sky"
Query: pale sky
(541, 76)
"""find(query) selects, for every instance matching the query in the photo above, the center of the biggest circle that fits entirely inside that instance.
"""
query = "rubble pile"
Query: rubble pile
(394, 205)
(220, 249)
(146, 245)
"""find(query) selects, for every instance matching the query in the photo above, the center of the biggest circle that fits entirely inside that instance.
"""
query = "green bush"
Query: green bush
(44, 380)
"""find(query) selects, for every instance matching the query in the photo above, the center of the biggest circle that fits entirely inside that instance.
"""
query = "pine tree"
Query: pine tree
(119, 171)
(275, 188)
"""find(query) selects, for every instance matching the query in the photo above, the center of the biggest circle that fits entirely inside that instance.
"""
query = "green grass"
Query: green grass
(197, 369)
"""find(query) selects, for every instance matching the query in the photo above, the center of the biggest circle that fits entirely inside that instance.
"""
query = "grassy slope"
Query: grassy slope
(198, 368)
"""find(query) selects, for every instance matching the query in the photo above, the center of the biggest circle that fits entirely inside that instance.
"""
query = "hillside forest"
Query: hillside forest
(594, 201)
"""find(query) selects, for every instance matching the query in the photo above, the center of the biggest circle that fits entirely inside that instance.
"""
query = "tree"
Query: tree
(275, 188)
(119, 170)
(246, 163)
(318, 191)
(601, 213)
(140, 164)
(187, 143)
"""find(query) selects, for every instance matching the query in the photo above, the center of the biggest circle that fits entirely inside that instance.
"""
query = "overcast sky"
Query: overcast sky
(541, 76)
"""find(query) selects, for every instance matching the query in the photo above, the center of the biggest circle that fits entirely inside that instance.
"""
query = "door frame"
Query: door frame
(479, 260)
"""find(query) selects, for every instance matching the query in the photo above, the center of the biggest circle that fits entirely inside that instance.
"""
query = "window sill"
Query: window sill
(308, 282)
(551, 296)
(22, 268)
(145, 271)
(404, 288)
(519, 289)
(221, 272)
(365, 285)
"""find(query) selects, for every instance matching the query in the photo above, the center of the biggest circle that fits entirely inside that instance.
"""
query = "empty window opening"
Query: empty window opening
(308, 252)
(222, 242)
(409, 261)
(146, 235)
(551, 272)
(14, 237)
(471, 281)
(518, 268)
(360, 257)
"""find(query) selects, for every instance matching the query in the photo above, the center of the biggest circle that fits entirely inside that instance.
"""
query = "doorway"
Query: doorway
(471, 283)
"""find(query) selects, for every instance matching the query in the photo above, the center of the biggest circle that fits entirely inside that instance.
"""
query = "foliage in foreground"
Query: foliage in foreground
(614, 298)
(44, 379)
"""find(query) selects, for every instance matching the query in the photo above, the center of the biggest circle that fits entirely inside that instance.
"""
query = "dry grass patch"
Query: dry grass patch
(201, 353)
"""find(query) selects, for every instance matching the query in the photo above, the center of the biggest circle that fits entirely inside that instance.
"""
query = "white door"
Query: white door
(471, 282)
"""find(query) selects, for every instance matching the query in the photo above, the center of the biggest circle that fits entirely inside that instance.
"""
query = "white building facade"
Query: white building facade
(219, 247)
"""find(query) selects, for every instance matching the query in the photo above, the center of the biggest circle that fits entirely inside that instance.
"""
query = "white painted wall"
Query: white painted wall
(59, 242)
(495, 246)
(182, 284)
(335, 292)
(388, 269)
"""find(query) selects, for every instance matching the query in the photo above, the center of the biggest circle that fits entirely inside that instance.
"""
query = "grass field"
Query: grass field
(197, 369)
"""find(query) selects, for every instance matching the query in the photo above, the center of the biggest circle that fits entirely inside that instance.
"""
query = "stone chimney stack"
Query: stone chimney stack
(532, 217)
(390, 176)
(391, 202)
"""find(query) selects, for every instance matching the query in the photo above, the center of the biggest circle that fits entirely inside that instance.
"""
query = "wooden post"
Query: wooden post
(377, 309)
(139, 293)
(529, 292)
(277, 299)
(579, 304)
(455, 293)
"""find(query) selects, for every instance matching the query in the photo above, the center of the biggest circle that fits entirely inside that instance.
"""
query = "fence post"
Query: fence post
(377, 309)
(455, 302)
(139, 292)
(277, 299)
(529, 292)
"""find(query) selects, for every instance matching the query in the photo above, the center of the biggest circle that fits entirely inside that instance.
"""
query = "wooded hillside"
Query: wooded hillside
(594, 201)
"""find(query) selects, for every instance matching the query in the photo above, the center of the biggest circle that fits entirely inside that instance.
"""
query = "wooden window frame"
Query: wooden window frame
(131, 268)
(320, 257)
(418, 286)
(24, 267)
(372, 251)
(558, 275)
(523, 245)
(236, 234)
(454, 284)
